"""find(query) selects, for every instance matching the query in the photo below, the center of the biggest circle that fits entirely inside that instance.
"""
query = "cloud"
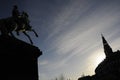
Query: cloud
(43, 63)
(43, 76)
(75, 34)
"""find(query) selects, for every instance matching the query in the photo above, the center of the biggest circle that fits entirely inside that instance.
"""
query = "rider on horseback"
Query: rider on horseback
(16, 16)
(20, 19)
(25, 25)
(18, 22)
(15, 13)
(23, 22)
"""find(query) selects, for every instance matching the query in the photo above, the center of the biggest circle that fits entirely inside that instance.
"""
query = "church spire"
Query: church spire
(107, 49)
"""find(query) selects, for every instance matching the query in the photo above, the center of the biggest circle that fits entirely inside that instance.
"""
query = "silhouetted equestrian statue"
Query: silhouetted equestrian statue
(18, 23)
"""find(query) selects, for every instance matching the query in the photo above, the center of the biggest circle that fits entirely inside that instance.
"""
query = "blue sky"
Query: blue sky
(69, 33)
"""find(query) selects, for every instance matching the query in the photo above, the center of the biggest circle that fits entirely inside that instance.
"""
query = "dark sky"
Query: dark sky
(69, 33)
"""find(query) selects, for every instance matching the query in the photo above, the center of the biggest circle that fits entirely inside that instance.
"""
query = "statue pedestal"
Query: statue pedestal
(18, 59)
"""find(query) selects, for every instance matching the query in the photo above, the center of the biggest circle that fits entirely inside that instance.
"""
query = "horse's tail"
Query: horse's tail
(3, 29)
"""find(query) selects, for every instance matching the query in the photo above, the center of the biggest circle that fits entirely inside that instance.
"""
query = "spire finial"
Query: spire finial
(107, 49)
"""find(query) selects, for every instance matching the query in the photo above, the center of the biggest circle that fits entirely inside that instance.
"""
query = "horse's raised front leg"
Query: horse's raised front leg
(28, 37)
(35, 32)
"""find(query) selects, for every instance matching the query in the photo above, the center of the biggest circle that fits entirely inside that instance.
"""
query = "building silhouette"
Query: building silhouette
(18, 60)
(109, 68)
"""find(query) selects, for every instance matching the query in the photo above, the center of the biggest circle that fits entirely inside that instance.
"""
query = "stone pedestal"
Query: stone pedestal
(18, 60)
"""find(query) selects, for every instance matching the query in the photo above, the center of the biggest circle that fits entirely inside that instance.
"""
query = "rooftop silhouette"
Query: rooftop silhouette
(109, 68)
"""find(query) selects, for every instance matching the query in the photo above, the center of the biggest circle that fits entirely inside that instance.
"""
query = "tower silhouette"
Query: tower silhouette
(109, 68)
(107, 49)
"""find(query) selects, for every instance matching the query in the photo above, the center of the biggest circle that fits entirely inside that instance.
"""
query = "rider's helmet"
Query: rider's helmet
(15, 6)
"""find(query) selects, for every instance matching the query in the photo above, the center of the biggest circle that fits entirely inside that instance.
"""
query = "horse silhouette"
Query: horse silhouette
(8, 25)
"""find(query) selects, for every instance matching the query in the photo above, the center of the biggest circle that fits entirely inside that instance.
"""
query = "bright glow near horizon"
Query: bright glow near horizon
(93, 61)
(97, 58)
